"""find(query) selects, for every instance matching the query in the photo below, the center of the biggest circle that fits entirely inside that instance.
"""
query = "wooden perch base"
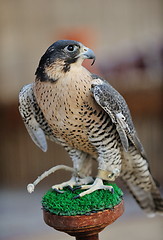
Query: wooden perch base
(84, 227)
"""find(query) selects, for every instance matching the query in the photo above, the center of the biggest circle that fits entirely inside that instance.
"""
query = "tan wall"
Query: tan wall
(111, 27)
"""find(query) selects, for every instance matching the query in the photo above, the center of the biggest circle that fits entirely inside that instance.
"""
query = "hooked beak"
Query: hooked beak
(87, 53)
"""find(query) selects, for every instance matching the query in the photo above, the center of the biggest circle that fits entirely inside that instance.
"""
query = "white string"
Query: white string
(31, 186)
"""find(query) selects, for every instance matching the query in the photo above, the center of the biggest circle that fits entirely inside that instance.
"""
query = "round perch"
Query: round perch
(83, 217)
(84, 226)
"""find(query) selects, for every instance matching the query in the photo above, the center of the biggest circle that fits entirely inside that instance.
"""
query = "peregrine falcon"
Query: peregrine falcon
(91, 120)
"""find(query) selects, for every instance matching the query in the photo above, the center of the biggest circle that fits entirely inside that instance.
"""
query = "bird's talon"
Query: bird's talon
(70, 188)
(57, 190)
(76, 188)
(78, 196)
(112, 190)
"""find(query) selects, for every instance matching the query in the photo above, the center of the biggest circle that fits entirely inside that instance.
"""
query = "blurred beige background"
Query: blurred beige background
(127, 37)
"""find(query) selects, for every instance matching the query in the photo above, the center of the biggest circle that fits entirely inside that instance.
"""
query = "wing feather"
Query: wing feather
(27, 105)
(116, 107)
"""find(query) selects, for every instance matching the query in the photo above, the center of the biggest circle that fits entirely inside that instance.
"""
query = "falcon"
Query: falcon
(81, 111)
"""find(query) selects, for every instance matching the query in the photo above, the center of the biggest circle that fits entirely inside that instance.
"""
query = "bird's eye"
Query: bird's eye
(71, 48)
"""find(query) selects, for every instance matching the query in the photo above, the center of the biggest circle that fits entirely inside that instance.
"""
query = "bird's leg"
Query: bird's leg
(109, 164)
(109, 169)
(98, 184)
(82, 165)
(110, 159)
(109, 175)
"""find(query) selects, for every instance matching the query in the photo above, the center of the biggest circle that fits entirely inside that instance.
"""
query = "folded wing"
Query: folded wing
(116, 107)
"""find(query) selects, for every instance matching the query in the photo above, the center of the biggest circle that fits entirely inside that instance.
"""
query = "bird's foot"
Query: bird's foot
(74, 181)
(97, 185)
(59, 187)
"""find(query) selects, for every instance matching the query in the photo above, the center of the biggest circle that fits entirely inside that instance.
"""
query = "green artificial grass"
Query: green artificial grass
(64, 204)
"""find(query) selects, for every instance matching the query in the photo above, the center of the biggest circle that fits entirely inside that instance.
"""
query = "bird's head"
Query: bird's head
(59, 58)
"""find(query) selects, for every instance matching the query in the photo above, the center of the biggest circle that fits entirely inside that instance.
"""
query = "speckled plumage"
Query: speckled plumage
(89, 118)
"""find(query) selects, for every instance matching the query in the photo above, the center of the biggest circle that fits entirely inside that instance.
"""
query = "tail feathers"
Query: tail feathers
(158, 201)
(151, 202)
